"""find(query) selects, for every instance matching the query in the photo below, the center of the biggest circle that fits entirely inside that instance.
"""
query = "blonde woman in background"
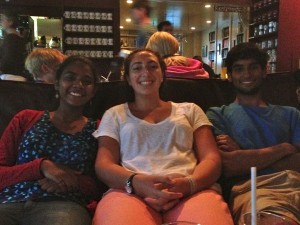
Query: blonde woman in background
(177, 66)
(42, 63)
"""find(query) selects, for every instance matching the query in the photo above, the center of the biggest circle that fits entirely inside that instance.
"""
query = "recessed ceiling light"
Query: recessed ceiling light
(208, 21)
(121, 27)
(128, 20)
(193, 28)
(129, 1)
(207, 6)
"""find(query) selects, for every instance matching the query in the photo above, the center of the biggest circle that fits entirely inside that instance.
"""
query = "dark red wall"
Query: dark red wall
(289, 35)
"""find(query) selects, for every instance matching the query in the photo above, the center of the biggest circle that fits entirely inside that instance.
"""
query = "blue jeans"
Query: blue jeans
(44, 212)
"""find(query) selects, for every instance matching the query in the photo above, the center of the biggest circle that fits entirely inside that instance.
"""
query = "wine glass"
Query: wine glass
(181, 223)
(268, 218)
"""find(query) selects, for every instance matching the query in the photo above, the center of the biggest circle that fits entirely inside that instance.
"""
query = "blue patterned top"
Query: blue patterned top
(44, 140)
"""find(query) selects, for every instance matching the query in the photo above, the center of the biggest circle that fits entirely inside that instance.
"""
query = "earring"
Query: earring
(57, 95)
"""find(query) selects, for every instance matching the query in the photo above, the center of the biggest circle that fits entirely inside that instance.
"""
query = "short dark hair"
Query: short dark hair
(142, 4)
(246, 50)
(13, 17)
(76, 59)
(162, 24)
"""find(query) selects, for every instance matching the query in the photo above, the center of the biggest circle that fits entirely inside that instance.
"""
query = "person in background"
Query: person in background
(177, 66)
(141, 11)
(12, 50)
(47, 158)
(165, 26)
(251, 132)
(206, 67)
(42, 63)
(159, 158)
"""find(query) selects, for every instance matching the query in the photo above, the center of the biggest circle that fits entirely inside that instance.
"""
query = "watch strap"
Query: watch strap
(129, 185)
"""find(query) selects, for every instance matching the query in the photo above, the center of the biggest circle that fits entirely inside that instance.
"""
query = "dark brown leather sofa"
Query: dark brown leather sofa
(15, 96)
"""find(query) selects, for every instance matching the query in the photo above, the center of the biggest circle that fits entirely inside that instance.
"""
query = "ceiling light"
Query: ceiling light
(121, 27)
(128, 20)
(208, 21)
(207, 6)
(193, 28)
(129, 1)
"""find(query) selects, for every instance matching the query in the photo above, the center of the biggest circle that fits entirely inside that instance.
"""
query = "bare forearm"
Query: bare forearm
(291, 162)
(207, 172)
(113, 176)
(239, 162)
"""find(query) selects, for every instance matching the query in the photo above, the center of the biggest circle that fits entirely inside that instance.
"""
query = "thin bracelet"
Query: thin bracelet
(193, 185)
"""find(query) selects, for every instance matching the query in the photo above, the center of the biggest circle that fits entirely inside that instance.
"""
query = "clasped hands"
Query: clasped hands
(161, 192)
(58, 178)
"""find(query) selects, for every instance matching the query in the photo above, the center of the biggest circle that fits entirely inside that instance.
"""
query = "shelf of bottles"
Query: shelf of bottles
(264, 28)
(212, 48)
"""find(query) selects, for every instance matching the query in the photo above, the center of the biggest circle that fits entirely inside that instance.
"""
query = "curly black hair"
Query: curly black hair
(246, 50)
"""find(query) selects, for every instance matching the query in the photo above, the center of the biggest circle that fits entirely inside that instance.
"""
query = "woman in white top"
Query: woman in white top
(159, 158)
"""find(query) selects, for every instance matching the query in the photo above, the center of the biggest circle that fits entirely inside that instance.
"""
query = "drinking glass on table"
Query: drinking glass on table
(181, 223)
(268, 218)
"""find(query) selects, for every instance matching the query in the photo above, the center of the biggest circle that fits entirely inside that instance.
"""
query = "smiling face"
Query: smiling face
(145, 73)
(76, 85)
(247, 76)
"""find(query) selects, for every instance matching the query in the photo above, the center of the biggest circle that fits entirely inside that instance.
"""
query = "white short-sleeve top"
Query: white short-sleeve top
(163, 148)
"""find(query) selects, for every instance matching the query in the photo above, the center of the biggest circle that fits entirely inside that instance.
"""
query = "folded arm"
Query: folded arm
(238, 161)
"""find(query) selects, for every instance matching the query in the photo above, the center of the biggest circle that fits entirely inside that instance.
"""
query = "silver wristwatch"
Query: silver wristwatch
(128, 186)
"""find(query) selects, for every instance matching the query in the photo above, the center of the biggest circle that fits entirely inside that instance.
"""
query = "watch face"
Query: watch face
(128, 189)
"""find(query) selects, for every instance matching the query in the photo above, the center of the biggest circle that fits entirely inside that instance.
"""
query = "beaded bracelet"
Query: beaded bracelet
(193, 185)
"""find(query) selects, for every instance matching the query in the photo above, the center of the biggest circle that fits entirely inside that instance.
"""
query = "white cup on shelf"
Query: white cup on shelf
(74, 27)
(67, 27)
(98, 41)
(87, 53)
(80, 28)
(104, 16)
(104, 29)
(87, 41)
(109, 16)
(75, 40)
(92, 28)
(86, 28)
(104, 54)
(79, 15)
(97, 15)
(67, 14)
(110, 54)
(73, 14)
(69, 40)
(81, 41)
(86, 15)
(109, 29)
(93, 41)
(104, 41)
(98, 28)
(99, 54)
(93, 54)
(91, 15)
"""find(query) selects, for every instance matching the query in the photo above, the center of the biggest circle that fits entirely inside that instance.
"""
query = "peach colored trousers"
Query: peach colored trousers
(119, 208)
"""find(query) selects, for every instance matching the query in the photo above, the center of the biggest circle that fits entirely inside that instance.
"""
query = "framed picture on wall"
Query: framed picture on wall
(204, 51)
